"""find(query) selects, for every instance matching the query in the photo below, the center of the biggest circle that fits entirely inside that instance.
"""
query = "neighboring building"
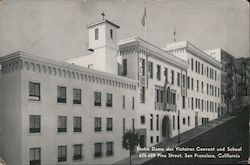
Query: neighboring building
(228, 92)
(242, 67)
(54, 112)
(203, 79)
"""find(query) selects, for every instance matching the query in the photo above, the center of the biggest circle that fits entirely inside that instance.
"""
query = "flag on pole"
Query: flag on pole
(143, 20)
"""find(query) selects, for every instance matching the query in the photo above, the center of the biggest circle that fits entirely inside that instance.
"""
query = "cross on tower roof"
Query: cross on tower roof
(103, 15)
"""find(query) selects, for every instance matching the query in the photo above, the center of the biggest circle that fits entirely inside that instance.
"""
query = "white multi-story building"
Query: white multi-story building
(75, 112)
(203, 81)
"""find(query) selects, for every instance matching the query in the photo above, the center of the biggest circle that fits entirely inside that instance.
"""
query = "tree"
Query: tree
(129, 141)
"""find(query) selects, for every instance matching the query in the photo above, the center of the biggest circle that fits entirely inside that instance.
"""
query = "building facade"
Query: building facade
(76, 112)
(242, 69)
(228, 93)
(203, 80)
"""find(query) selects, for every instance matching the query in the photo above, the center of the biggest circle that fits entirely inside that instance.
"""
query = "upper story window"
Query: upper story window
(35, 156)
(196, 66)
(197, 85)
(109, 100)
(96, 34)
(76, 96)
(123, 101)
(98, 149)
(215, 75)
(183, 81)
(109, 124)
(109, 147)
(35, 123)
(188, 82)
(202, 69)
(61, 94)
(34, 91)
(124, 65)
(166, 74)
(62, 153)
(62, 124)
(158, 72)
(150, 69)
(133, 103)
(142, 66)
(77, 124)
(142, 94)
(142, 119)
(98, 99)
(183, 102)
(98, 124)
(111, 33)
(178, 79)
(192, 64)
(172, 77)
(192, 83)
(77, 152)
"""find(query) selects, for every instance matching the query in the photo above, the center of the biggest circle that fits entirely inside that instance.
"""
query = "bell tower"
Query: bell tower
(103, 42)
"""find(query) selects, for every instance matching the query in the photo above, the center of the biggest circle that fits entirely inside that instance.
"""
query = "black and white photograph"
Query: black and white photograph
(124, 82)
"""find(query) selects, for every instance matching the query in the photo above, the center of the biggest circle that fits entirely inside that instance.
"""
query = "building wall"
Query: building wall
(10, 120)
(17, 140)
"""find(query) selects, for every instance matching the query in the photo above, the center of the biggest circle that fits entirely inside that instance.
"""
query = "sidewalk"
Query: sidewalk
(184, 137)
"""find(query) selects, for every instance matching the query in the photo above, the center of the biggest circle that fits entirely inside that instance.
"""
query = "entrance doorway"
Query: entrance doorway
(166, 127)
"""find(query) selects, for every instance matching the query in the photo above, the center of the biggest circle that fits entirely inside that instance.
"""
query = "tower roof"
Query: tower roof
(101, 22)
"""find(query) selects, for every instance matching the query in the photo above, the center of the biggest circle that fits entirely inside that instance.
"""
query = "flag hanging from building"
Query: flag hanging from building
(143, 20)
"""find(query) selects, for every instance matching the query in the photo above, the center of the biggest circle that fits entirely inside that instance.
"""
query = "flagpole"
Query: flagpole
(145, 27)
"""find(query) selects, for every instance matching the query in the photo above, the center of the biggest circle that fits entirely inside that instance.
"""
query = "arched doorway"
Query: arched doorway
(166, 127)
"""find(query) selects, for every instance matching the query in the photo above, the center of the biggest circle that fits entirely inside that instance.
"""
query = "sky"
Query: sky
(57, 28)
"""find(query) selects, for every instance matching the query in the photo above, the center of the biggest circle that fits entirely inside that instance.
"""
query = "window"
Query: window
(109, 147)
(35, 123)
(62, 153)
(202, 87)
(133, 103)
(172, 77)
(196, 66)
(192, 64)
(125, 69)
(133, 124)
(174, 99)
(188, 121)
(77, 124)
(192, 103)
(150, 70)
(62, 124)
(202, 104)
(123, 101)
(98, 99)
(76, 96)
(77, 152)
(192, 83)
(183, 102)
(207, 89)
(61, 94)
(35, 156)
(158, 72)
(142, 119)
(157, 122)
(188, 82)
(111, 33)
(183, 81)
(173, 122)
(178, 79)
(197, 85)
(157, 139)
(166, 74)
(109, 124)
(215, 75)
(151, 139)
(109, 100)
(151, 122)
(184, 121)
(142, 66)
(202, 69)
(142, 94)
(123, 124)
(98, 149)
(98, 124)
(34, 91)
(96, 34)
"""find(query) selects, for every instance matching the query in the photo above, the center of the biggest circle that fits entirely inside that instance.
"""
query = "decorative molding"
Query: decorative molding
(21, 61)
